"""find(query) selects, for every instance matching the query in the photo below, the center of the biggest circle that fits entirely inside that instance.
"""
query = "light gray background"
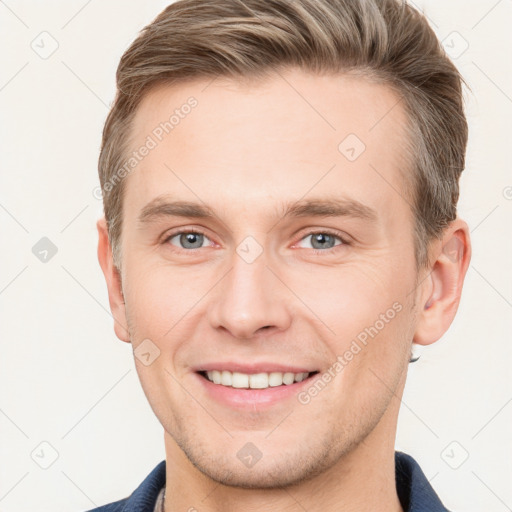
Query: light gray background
(65, 379)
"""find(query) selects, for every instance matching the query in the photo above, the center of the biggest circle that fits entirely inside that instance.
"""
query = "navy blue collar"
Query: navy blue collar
(413, 489)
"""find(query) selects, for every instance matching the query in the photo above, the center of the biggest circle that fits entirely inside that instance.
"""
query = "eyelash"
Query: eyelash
(334, 234)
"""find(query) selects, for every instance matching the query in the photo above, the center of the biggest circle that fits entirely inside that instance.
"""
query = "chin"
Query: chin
(271, 471)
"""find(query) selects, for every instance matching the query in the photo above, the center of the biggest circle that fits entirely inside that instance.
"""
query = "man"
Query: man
(280, 181)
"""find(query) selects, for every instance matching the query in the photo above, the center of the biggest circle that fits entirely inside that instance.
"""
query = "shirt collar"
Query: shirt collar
(413, 489)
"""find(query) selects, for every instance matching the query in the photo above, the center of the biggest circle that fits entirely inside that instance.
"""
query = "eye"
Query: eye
(322, 241)
(187, 239)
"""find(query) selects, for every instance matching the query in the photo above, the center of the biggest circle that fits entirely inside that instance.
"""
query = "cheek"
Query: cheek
(352, 296)
(157, 298)
(367, 314)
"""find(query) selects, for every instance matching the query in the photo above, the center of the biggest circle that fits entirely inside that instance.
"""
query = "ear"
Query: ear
(113, 279)
(442, 288)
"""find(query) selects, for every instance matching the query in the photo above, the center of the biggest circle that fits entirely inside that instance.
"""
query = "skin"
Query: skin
(245, 150)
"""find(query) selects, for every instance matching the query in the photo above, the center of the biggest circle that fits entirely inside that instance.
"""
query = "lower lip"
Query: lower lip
(246, 398)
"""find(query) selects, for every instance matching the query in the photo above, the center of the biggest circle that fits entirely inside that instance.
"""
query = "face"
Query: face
(267, 232)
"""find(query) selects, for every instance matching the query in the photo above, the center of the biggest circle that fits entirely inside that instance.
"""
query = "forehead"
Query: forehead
(223, 140)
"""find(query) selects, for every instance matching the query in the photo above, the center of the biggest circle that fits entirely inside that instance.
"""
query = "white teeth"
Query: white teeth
(288, 378)
(226, 378)
(255, 380)
(275, 379)
(240, 380)
(258, 381)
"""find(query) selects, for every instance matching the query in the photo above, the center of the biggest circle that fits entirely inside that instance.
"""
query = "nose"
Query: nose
(250, 300)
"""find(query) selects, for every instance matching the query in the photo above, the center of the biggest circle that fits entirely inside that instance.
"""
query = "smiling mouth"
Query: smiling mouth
(254, 381)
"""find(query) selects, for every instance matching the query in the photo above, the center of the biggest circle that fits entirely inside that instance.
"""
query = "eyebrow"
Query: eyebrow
(163, 206)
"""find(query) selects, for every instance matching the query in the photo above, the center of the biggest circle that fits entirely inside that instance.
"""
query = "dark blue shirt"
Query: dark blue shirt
(413, 489)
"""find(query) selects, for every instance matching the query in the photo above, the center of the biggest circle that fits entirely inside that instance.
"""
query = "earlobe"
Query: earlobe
(441, 290)
(113, 280)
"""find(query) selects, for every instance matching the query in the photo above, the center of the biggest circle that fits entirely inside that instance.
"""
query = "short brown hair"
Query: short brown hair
(386, 40)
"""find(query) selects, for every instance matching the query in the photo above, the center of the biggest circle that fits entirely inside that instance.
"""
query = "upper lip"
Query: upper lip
(261, 367)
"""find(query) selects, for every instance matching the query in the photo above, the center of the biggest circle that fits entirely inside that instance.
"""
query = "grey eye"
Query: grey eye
(188, 240)
(322, 240)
